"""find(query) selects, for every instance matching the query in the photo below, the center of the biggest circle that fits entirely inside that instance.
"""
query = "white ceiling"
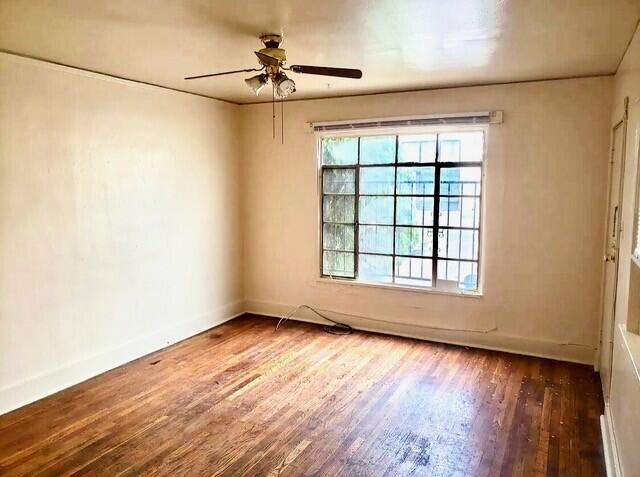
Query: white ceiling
(399, 45)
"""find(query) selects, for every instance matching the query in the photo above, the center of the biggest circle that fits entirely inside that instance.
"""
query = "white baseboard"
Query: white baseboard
(609, 444)
(36, 387)
(493, 340)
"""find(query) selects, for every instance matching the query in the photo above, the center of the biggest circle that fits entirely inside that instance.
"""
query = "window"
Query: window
(403, 209)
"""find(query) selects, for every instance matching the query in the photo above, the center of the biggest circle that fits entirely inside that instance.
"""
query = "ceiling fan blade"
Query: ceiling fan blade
(246, 70)
(327, 71)
(267, 59)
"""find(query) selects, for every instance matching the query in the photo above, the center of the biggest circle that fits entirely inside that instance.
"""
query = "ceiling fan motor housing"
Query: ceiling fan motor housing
(277, 53)
(272, 48)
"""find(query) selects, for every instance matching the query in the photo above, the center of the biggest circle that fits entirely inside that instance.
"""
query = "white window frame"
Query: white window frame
(357, 282)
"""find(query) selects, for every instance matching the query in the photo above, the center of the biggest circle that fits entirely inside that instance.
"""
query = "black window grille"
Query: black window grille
(403, 208)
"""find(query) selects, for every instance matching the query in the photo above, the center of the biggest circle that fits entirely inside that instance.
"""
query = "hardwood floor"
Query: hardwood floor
(243, 399)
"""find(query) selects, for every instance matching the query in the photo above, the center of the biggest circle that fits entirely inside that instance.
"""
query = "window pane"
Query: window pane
(417, 148)
(413, 271)
(465, 274)
(338, 264)
(377, 180)
(414, 241)
(416, 180)
(448, 270)
(375, 239)
(468, 276)
(414, 210)
(450, 181)
(374, 268)
(340, 150)
(378, 150)
(339, 181)
(455, 243)
(460, 212)
(338, 237)
(460, 181)
(338, 208)
(376, 210)
(461, 146)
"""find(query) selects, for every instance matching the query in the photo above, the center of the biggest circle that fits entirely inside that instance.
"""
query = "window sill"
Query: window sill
(392, 286)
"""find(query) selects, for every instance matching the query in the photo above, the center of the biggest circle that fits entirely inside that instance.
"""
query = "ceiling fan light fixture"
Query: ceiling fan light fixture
(284, 85)
(257, 82)
(272, 60)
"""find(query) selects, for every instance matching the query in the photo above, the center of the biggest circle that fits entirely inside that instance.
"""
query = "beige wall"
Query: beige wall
(123, 210)
(543, 230)
(119, 223)
(624, 403)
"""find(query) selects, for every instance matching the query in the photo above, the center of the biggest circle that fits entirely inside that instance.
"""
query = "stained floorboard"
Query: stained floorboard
(244, 399)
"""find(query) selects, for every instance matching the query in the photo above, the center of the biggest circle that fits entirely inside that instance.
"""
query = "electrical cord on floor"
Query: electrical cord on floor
(336, 329)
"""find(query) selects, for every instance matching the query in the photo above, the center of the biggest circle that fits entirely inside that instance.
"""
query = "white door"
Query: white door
(611, 254)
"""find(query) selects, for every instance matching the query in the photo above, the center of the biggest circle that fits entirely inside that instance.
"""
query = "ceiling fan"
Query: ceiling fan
(272, 61)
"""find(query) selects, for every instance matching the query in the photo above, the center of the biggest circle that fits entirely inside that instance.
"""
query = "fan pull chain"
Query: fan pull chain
(282, 120)
(273, 110)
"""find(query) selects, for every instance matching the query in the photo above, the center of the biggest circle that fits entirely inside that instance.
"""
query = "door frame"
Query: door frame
(622, 123)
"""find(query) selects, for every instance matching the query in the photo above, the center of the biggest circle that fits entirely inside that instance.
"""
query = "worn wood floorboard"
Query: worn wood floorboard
(243, 399)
